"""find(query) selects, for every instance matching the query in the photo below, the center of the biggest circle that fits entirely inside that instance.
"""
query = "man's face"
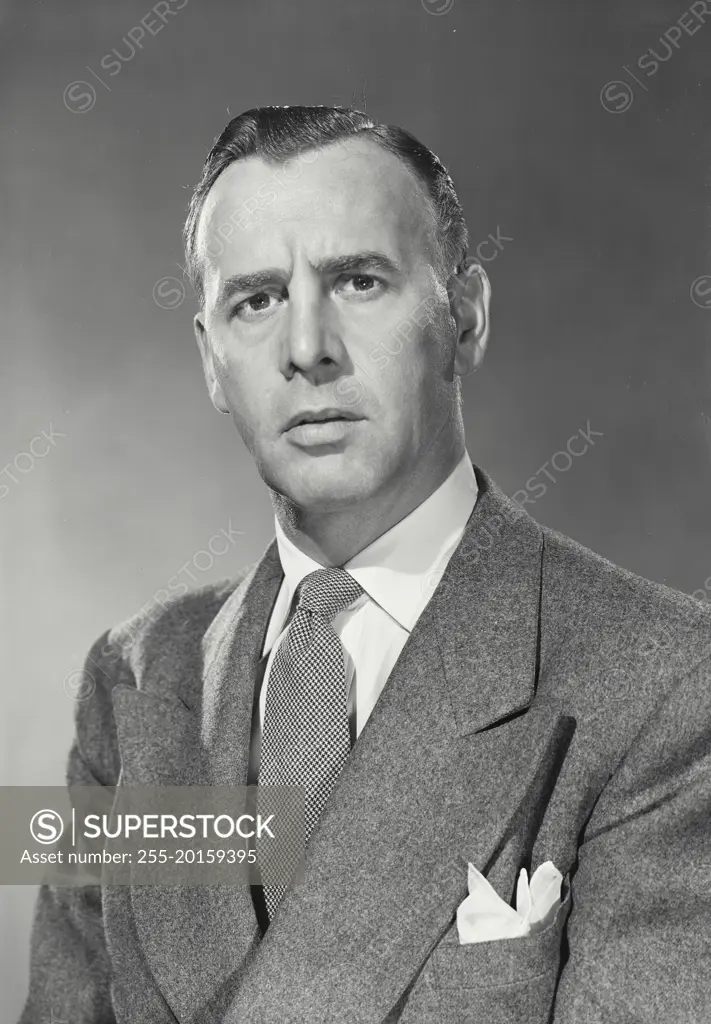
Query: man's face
(322, 297)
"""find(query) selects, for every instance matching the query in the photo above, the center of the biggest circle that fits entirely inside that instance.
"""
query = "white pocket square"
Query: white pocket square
(484, 916)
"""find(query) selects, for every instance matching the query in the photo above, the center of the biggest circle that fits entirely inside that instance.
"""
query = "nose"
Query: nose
(313, 345)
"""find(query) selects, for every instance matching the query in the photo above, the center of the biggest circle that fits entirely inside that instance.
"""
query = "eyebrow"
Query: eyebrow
(362, 262)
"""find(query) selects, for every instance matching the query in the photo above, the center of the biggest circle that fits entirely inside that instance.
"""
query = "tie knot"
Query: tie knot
(326, 592)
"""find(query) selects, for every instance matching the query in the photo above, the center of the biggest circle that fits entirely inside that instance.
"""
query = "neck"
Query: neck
(332, 538)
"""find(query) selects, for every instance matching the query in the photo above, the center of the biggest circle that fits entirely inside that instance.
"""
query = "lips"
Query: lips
(320, 416)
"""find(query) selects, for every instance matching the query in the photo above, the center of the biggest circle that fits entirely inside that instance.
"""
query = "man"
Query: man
(450, 683)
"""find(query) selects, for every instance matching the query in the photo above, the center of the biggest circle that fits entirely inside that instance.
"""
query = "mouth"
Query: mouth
(323, 429)
(321, 416)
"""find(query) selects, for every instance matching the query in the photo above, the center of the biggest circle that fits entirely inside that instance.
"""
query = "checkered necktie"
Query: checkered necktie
(305, 736)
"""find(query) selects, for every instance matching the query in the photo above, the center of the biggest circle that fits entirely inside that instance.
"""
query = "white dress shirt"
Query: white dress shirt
(398, 573)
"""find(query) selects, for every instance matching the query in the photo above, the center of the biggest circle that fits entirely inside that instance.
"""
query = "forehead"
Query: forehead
(349, 196)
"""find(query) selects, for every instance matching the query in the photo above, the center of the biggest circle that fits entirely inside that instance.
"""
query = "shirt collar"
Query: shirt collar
(401, 568)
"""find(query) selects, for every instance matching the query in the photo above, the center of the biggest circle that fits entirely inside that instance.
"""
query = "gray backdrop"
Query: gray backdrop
(602, 293)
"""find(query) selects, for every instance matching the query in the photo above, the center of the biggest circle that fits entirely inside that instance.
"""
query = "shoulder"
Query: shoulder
(609, 628)
(179, 620)
(588, 582)
(169, 631)
(164, 638)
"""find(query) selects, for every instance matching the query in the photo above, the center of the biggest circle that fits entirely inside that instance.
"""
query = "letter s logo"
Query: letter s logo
(46, 827)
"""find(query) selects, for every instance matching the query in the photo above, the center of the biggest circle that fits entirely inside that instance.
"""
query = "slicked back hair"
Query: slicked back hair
(276, 134)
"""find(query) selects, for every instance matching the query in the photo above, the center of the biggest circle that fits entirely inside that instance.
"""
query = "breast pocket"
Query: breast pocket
(505, 981)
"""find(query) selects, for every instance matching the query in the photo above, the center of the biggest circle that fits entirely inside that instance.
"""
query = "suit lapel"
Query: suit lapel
(198, 938)
(432, 782)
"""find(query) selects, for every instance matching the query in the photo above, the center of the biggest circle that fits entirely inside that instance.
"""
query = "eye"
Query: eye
(257, 306)
(361, 284)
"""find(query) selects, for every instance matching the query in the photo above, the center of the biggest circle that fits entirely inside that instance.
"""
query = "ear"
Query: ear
(469, 292)
(207, 355)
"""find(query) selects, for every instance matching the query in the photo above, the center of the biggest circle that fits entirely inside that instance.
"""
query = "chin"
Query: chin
(326, 484)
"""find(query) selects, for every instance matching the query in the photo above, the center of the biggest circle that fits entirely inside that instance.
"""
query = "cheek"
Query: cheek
(240, 377)
(410, 399)
(257, 410)
(243, 397)
(411, 368)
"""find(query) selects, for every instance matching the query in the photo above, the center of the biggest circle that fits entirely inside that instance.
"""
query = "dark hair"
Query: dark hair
(278, 133)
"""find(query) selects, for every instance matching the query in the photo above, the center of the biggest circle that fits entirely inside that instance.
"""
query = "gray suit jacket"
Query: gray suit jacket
(547, 706)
